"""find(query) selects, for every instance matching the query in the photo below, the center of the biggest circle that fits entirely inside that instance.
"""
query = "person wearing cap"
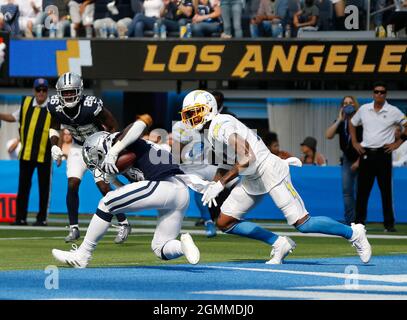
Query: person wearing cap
(310, 154)
(378, 119)
(350, 157)
(35, 153)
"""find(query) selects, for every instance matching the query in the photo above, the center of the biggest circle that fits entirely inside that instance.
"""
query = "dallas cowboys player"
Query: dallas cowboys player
(162, 189)
(82, 115)
(262, 173)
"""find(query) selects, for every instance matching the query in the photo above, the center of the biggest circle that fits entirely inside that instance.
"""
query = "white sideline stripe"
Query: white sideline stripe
(356, 288)
(195, 231)
(395, 278)
(312, 295)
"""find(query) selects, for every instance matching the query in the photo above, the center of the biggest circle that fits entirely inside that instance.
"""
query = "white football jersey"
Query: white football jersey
(265, 172)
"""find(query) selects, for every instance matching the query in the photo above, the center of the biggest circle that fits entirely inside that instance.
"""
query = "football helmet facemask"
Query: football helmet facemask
(198, 108)
(95, 149)
(69, 89)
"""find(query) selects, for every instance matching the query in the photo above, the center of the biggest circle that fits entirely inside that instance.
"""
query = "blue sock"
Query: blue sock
(204, 211)
(251, 230)
(326, 225)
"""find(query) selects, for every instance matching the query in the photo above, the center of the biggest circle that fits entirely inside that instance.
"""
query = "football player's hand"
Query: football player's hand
(211, 192)
(56, 153)
(109, 163)
(109, 178)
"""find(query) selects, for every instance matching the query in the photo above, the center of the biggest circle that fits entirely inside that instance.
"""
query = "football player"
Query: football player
(262, 173)
(196, 158)
(161, 189)
(82, 115)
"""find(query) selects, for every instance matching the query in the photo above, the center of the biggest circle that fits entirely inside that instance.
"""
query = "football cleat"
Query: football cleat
(73, 234)
(281, 248)
(123, 234)
(210, 229)
(189, 249)
(360, 242)
(73, 258)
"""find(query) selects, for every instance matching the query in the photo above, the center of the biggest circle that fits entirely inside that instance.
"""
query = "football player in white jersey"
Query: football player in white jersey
(261, 173)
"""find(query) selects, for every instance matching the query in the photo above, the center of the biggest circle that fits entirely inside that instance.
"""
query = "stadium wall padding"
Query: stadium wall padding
(320, 188)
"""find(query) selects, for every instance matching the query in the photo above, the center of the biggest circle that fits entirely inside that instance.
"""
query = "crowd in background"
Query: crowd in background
(190, 18)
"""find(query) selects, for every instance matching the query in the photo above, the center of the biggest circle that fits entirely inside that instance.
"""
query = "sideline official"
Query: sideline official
(34, 122)
(378, 119)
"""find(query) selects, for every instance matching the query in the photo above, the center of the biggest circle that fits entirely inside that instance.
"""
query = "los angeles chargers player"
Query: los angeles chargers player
(161, 189)
(196, 158)
(262, 173)
(82, 115)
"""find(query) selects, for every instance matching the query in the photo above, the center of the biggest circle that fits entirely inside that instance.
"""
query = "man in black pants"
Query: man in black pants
(35, 151)
(378, 119)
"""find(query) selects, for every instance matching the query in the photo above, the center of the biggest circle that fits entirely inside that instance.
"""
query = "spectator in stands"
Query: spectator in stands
(400, 154)
(116, 21)
(29, 9)
(268, 21)
(232, 11)
(378, 119)
(55, 20)
(249, 12)
(175, 13)
(145, 21)
(350, 157)
(378, 17)
(9, 16)
(81, 12)
(35, 150)
(306, 19)
(207, 19)
(310, 154)
(271, 141)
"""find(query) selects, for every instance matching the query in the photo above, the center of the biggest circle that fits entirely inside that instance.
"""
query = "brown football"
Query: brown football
(125, 160)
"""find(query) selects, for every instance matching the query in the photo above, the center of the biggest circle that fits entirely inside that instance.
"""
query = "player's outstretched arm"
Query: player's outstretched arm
(108, 121)
(245, 156)
(7, 117)
(128, 136)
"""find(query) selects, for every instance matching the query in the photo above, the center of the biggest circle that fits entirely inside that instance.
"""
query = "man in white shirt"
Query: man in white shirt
(378, 119)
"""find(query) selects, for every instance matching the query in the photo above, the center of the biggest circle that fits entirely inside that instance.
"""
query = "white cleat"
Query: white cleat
(73, 258)
(189, 249)
(360, 242)
(281, 248)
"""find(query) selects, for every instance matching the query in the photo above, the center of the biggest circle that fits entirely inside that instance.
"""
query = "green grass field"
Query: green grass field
(31, 249)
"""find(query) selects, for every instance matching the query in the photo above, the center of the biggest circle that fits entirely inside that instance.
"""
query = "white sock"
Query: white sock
(125, 222)
(74, 226)
(96, 230)
(172, 249)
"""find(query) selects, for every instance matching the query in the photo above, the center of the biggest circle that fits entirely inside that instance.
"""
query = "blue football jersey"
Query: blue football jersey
(81, 122)
(155, 164)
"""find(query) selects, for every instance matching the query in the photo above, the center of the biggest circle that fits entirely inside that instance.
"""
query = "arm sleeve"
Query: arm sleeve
(356, 119)
(16, 115)
(222, 131)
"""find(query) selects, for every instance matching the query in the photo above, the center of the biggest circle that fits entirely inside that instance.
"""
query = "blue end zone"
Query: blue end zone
(383, 278)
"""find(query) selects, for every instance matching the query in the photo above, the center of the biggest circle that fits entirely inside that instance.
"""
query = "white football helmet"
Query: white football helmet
(69, 89)
(95, 149)
(198, 108)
